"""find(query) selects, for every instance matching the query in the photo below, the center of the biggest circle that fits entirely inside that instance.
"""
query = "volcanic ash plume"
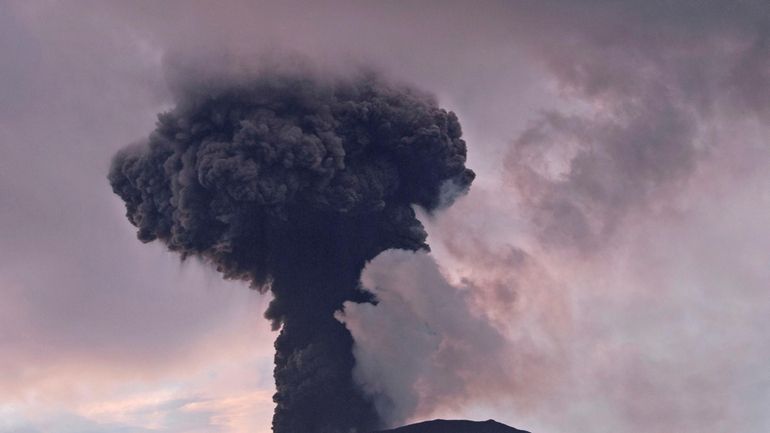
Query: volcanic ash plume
(293, 183)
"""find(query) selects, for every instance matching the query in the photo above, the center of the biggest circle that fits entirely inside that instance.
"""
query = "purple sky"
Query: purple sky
(609, 270)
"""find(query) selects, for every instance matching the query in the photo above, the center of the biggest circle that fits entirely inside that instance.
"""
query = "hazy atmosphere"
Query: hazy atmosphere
(607, 270)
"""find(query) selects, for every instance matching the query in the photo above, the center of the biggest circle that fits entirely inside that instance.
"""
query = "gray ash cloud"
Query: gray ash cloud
(293, 182)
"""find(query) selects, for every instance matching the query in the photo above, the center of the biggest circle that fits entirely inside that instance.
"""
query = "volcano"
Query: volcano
(455, 426)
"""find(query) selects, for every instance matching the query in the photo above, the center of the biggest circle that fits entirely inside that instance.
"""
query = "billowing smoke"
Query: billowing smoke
(293, 182)
(662, 104)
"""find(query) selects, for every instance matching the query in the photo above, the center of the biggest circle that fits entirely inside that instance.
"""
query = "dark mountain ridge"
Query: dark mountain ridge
(455, 426)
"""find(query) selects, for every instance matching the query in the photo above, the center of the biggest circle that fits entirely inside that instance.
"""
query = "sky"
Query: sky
(608, 271)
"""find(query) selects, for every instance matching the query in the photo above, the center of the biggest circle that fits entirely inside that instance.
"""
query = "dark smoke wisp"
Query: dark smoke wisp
(293, 183)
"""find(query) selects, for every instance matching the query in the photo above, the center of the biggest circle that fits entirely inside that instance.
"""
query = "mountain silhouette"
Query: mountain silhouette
(455, 426)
